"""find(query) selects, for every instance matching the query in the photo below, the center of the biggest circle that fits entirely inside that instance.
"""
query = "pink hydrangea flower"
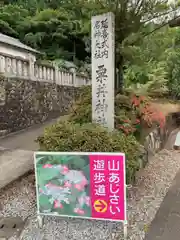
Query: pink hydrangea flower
(65, 170)
(48, 185)
(79, 211)
(67, 184)
(87, 200)
(53, 186)
(47, 166)
(79, 187)
(57, 204)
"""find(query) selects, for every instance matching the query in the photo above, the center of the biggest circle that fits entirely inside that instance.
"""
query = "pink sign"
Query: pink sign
(108, 195)
(96, 190)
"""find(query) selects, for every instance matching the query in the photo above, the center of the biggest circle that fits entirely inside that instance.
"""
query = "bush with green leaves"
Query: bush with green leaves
(173, 62)
(67, 137)
(81, 111)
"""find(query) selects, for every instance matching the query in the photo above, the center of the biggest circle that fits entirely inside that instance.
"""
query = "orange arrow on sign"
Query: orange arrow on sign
(100, 206)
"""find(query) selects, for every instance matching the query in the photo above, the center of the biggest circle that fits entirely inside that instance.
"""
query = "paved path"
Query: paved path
(166, 224)
(25, 139)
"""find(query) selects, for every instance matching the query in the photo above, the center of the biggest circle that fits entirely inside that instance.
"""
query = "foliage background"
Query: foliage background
(146, 48)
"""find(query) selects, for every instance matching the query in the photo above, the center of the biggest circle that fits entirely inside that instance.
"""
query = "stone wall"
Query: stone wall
(156, 138)
(25, 103)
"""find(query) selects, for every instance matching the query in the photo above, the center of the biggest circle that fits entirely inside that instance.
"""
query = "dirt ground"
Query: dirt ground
(166, 106)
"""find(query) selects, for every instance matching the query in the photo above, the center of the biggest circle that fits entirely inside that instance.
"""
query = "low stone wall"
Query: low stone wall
(155, 138)
(25, 103)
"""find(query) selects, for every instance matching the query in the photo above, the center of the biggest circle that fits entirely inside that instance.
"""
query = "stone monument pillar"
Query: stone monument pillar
(103, 69)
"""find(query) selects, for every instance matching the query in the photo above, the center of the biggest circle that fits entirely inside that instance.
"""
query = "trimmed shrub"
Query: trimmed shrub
(68, 137)
(81, 110)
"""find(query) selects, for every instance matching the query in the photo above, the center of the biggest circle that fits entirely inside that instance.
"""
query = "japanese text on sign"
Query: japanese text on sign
(114, 183)
(107, 184)
(97, 190)
(99, 178)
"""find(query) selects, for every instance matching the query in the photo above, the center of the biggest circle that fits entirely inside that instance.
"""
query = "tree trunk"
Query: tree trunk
(119, 80)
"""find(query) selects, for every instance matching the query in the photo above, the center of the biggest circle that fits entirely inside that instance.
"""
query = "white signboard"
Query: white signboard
(103, 69)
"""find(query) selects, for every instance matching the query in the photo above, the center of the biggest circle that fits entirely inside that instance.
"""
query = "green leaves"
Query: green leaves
(46, 174)
(45, 203)
(66, 136)
(60, 28)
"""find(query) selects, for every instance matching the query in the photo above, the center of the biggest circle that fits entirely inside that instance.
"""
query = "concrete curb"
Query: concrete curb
(14, 164)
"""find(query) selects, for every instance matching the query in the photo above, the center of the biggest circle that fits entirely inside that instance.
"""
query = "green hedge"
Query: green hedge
(81, 111)
(67, 137)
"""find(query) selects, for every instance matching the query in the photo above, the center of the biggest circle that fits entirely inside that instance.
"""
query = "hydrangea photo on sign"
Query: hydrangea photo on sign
(85, 185)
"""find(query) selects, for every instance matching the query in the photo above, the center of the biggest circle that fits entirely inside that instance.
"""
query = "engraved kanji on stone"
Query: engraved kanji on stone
(97, 28)
(105, 34)
(97, 54)
(104, 53)
(101, 90)
(101, 106)
(101, 74)
(101, 120)
(104, 23)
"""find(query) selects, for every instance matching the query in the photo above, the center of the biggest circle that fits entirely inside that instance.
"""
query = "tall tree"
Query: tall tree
(56, 33)
(11, 17)
(130, 19)
(61, 28)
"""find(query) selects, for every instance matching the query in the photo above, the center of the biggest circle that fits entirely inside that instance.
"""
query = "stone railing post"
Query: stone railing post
(73, 71)
(2, 64)
(32, 60)
(56, 74)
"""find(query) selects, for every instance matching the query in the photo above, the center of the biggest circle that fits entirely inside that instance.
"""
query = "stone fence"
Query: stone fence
(31, 70)
(24, 103)
(155, 139)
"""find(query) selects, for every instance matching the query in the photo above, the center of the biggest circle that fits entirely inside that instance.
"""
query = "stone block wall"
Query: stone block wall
(25, 103)
(156, 138)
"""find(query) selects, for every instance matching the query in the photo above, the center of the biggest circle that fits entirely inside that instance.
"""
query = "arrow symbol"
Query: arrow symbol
(100, 206)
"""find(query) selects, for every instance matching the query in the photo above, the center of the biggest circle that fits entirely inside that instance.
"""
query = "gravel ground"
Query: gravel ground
(152, 185)
(144, 200)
